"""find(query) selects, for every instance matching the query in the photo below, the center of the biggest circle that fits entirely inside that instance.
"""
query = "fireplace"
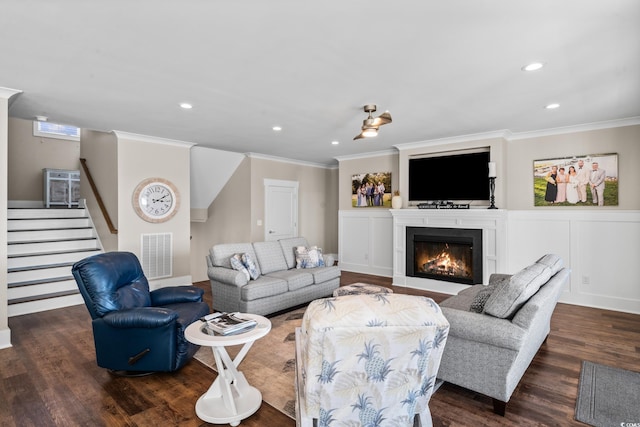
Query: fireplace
(448, 254)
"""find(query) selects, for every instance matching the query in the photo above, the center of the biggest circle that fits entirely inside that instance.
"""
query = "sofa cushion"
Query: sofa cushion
(236, 264)
(264, 287)
(270, 257)
(553, 261)
(288, 247)
(296, 279)
(510, 295)
(221, 253)
(324, 274)
(309, 257)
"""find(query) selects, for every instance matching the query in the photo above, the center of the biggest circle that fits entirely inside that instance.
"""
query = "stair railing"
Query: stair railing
(96, 193)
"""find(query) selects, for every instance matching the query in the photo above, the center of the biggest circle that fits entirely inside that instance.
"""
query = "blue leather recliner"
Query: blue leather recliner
(136, 330)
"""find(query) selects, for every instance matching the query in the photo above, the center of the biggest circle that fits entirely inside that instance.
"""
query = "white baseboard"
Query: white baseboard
(5, 338)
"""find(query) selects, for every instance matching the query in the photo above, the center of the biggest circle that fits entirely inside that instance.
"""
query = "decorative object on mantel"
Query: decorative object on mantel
(586, 180)
(396, 200)
(443, 205)
(492, 183)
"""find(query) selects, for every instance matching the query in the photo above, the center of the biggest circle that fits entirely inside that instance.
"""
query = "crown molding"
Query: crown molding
(366, 155)
(505, 134)
(286, 160)
(8, 93)
(630, 121)
(152, 139)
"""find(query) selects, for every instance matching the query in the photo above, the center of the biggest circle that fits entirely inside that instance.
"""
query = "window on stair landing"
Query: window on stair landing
(55, 130)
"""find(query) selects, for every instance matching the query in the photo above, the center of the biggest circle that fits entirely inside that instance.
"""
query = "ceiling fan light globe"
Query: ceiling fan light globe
(368, 133)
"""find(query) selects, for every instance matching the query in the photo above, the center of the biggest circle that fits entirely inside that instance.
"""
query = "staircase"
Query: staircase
(43, 244)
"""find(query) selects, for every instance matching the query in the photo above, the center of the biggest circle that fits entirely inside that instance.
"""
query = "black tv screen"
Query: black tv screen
(458, 177)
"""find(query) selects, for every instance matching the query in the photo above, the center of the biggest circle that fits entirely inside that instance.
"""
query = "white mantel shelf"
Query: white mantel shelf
(492, 222)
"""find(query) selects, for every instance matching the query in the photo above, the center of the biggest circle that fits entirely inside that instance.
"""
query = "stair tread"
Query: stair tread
(40, 267)
(42, 297)
(71, 251)
(40, 230)
(39, 281)
(49, 241)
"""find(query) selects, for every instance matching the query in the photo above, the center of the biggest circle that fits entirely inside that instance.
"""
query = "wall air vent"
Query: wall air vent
(157, 255)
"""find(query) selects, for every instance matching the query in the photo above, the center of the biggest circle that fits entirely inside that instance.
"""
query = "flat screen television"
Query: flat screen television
(462, 178)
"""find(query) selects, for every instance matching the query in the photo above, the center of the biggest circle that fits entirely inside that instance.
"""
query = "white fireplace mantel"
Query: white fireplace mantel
(494, 242)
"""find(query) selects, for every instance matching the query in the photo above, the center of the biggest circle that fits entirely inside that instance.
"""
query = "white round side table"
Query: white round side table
(230, 399)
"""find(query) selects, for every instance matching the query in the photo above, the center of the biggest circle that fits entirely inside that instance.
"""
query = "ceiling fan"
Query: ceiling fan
(371, 124)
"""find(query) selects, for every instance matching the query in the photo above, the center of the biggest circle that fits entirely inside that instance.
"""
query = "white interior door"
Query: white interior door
(281, 209)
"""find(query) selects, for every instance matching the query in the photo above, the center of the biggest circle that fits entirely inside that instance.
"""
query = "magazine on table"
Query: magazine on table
(229, 323)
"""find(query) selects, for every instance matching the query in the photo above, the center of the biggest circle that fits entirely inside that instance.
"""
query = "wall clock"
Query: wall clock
(156, 200)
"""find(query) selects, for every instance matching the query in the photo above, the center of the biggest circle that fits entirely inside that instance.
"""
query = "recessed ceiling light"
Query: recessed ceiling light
(277, 128)
(186, 105)
(335, 142)
(534, 66)
(552, 106)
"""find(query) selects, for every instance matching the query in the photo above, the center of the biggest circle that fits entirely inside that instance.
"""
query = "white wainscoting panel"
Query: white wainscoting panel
(365, 241)
(602, 248)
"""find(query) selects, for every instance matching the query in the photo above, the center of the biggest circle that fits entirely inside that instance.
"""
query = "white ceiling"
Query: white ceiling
(442, 68)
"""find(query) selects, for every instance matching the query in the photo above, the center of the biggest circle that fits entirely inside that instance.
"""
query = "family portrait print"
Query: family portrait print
(587, 180)
(372, 189)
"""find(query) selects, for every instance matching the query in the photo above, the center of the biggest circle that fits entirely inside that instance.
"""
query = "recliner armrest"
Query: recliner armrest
(140, 317)
(484, 328)
(175, 294)
(227, 275)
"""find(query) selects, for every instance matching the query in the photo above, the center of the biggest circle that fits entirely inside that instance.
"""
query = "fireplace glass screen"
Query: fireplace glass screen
(449, 254)
(444, 259)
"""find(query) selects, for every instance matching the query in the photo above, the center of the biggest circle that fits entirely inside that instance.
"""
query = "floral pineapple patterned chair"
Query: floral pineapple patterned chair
(368, 360)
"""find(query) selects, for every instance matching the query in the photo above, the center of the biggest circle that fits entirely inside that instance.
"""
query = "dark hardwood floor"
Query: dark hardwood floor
(50, 378)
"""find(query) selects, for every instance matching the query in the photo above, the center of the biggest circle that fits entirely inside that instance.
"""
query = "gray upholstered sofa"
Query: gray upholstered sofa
(280, 284)
(497, 329)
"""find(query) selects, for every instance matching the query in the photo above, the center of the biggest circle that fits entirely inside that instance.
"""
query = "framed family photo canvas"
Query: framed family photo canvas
(371, 190)
(585, 180)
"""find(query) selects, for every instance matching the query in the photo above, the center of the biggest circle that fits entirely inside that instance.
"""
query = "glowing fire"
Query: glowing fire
(444, 264)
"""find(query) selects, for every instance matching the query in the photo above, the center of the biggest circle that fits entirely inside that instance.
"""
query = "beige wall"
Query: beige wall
(374, 163)
(139, 159)
(29, 154)
(514, 162)
(622, 140)
(100, 149)
(314, 199)
(234, 213)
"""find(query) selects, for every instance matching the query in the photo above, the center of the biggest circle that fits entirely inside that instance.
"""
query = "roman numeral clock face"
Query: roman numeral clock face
(156, 200)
